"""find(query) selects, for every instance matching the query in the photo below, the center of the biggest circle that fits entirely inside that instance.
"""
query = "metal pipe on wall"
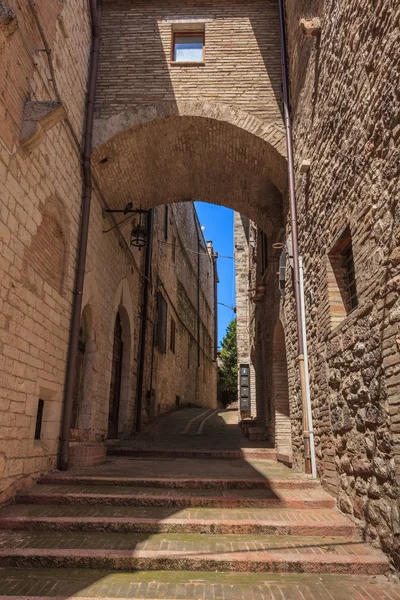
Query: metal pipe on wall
(307, 415)
(144, 316)
(306, 372)
(95, 10)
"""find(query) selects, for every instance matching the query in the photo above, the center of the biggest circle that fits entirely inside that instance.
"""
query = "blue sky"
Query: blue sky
(218, 227)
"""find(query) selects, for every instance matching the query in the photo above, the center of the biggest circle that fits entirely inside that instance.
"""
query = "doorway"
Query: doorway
(116, 372)
(281, 409)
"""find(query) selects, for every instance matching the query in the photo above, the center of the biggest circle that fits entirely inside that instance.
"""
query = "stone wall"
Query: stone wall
(242, 232)
(344, 86)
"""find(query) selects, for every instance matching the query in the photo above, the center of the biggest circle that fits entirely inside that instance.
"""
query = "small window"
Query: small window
(172, 336)
(39, 419)
(161, 323)
(188, 46)
(342, 289)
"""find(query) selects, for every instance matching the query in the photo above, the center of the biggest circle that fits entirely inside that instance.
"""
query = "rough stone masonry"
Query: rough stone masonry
(345, 78)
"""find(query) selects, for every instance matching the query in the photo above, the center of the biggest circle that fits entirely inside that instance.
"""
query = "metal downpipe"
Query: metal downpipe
(95, 11)
(144, 316)
(294, 230)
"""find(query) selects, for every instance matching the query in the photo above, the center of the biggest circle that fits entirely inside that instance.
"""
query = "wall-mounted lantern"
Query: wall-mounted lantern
(139, 230)
(139, 224)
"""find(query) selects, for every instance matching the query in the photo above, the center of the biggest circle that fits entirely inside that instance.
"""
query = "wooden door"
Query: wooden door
(115, 388)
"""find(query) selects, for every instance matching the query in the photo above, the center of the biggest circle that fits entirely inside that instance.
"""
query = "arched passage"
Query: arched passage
(193, 151)
(172, 153)
(120, 400)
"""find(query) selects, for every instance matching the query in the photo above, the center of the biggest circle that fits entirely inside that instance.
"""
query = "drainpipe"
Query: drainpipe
(306, 371)
(214, 258)
(198, 302)
(143, 317)
(95, 11)
(307, 414)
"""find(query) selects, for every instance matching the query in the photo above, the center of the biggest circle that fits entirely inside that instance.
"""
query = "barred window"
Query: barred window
(39, 419)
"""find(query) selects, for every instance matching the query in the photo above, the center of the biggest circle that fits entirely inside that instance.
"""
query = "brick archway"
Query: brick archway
(192, 151)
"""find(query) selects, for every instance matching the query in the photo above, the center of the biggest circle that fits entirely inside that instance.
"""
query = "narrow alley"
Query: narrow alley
(185, 503)
(199, 299)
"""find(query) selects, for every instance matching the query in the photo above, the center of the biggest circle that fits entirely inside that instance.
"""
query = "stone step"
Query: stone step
(136, 496)
(166, 520)
(247, 453)
(74, 584)
(119, 551)
(183, 482)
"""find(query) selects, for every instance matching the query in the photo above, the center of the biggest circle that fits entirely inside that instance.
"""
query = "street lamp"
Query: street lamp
(139, 230)
(139, 224)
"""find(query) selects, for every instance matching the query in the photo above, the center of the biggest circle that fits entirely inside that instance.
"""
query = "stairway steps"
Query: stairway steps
(135, 496)
(246, 453)
(183, 482)
(187, 552)
(71, 584)
(164, 520)
(181, 516)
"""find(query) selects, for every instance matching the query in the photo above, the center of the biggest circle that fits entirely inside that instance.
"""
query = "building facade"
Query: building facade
(41, 186)
(343, 74)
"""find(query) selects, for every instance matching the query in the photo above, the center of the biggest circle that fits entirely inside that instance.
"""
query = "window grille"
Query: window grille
(39, 419)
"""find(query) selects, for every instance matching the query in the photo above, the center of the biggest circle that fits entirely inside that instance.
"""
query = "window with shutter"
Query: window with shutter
(161, 323)
(172, 336)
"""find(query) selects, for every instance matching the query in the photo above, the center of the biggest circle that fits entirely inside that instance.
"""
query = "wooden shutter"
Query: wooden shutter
(161, 323)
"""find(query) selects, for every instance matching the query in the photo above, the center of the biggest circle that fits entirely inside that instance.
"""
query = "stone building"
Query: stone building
(169, 130)
(41, 187)
(344, 70)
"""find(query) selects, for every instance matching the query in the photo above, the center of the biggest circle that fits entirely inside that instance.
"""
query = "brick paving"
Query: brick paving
(182, 528)
(187, 471)
(72, 584)
(136, 496)
(169, 520)
(220, 432)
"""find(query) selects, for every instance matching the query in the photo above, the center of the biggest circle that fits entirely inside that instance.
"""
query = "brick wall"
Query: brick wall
(40, 210)
(40, 205)
(242, 56)
(175, 377)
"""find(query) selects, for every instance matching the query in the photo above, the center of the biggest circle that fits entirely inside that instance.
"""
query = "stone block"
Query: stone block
(311, 27)
(39, 117)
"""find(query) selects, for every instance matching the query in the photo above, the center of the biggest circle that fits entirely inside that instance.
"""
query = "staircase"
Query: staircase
(158, 527)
